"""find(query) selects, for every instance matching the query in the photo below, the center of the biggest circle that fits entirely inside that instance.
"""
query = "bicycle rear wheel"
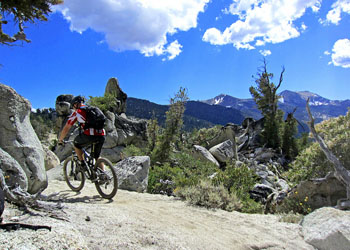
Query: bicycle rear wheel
(107, 181)
(74, 178)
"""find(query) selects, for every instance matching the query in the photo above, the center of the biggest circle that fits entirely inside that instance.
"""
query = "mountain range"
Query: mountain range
(321, 108)
(197, 114)
(223, 109)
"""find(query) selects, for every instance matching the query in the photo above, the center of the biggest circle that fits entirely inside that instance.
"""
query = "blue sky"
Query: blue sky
(154, 47)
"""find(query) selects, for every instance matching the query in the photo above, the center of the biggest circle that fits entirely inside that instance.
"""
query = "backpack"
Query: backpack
(94, 118)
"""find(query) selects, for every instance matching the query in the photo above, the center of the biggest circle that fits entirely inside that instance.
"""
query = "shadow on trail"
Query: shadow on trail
(74, 197)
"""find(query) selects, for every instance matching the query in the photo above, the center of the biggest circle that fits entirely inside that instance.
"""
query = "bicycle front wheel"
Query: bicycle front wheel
(107, 181)
(74, 177)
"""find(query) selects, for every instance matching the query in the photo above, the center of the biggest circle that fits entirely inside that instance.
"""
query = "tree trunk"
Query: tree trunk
(38, 201)
(341, 173)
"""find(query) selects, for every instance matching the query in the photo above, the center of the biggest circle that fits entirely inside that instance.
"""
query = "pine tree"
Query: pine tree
(266, 98)
(152, 133)
(21, 12)
(173, 125)
(289, 143)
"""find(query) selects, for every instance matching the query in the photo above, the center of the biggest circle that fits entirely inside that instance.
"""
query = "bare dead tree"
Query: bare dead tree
(38, 201)
(341, 173)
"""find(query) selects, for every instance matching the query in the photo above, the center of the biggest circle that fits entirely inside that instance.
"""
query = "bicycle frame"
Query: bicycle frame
(87, 156)
(90, 161)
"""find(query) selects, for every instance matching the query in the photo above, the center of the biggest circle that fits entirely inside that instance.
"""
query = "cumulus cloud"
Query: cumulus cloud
(334, 15)
(135, 24)
(173, 50)
(341, 53)
(265, 52)
(261, 21)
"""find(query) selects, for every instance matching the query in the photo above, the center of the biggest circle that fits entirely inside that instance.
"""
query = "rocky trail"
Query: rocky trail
(144, 221)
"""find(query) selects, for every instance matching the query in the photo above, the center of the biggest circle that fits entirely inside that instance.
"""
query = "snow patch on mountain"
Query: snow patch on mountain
(219, 100)
(307, 94)
(318, 103)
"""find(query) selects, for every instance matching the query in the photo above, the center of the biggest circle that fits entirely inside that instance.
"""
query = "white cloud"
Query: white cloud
(261, 21)
(334, 15)
(174, 49)
(341, 53)
(135, 24)
(265, 52)
(303, 27)
(214, 36)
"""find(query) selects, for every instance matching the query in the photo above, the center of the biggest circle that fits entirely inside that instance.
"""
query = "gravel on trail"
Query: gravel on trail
(144, 221)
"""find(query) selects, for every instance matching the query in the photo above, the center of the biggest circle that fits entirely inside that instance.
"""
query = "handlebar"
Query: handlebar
(64, 142)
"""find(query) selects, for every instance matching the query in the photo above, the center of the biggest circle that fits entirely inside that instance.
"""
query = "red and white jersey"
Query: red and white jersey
(80, 116)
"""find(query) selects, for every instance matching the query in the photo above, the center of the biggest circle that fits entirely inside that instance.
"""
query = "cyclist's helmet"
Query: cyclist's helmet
(77, 99)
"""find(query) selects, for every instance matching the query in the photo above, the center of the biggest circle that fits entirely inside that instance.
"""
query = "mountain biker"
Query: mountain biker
(86, 136)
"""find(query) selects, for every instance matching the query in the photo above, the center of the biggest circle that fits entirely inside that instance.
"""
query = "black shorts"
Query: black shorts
(83, 140)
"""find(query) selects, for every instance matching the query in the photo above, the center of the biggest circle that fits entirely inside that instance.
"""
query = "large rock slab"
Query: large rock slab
(12, 171)
(327, 228)
(113, 154)
(204, 154)
(63, 110)
(131, 131)
(114, 89)
(227, 132)
(321, 192)
(51, 159)
(112, 133)
(133, 173)
(224, 151)
(18, 138)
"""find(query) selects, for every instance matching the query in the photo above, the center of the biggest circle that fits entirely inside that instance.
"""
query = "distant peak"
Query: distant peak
(307, 94)
(303, 94)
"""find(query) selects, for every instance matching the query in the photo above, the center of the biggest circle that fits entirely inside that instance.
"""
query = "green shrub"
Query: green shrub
(240, 180)
(192, 169)
(161, 179)
(105, 103)
(210, 196)
(132, 150)
(184, 171)
(312, 162)
(296, 204)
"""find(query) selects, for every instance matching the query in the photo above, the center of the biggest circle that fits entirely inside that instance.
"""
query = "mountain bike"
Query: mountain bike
(100, 172)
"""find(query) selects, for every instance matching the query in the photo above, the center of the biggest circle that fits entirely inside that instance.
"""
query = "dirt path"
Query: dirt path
(144, 221)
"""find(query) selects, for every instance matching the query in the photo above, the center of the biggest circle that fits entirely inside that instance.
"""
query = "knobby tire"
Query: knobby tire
(107, 189)
(74, 179)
